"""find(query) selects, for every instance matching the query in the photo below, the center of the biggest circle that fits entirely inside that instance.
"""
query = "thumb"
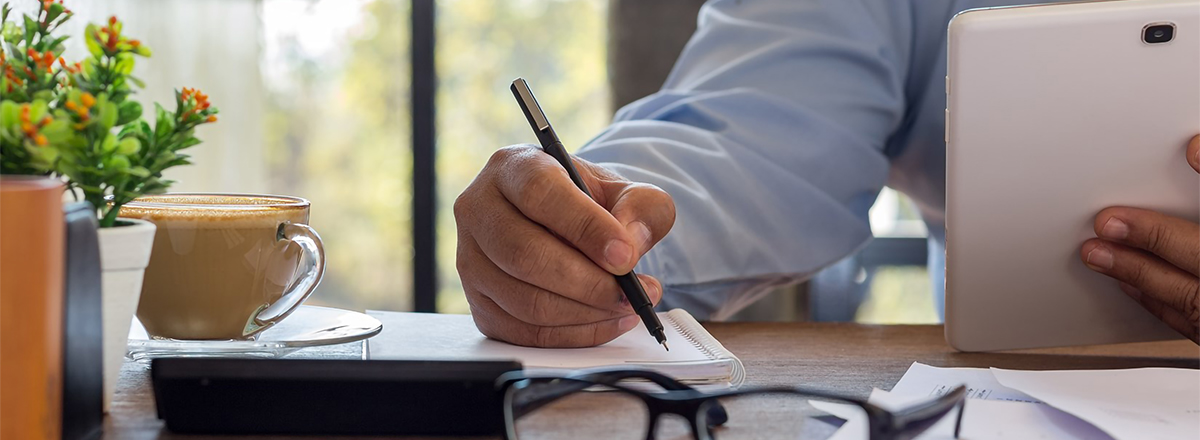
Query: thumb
(645, 211)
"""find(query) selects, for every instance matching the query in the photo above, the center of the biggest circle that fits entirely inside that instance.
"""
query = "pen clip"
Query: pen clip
(530, 104)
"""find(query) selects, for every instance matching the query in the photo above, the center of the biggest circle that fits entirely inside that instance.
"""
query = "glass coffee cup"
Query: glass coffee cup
(225, 266)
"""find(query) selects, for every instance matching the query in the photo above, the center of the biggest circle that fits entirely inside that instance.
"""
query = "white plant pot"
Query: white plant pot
(124, 253)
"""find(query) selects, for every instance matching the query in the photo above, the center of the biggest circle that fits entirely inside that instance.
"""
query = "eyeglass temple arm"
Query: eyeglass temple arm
(584, 380)
(920, 417)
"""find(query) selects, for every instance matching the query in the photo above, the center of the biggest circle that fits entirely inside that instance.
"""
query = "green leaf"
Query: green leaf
(57, 43)
(58, 131)
(116, 162)
(56, 9)
(128, 146)
(128, 112)
(37, 110)
(93, 46)
(108, 144)
(108, 113)
(31, 27)
(139, 172)
(164, 126)
(189, 142)
(9, 113)
(137, 81)
(89, 67)
(124, 64)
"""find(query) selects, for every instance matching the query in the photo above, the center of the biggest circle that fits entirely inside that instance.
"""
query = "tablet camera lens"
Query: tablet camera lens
(1158, 33)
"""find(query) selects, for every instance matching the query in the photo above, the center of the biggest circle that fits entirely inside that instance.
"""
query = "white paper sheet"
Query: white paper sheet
(855, 427)
(993, 410)
(1144, 403)
(982, 420)
(924, 380)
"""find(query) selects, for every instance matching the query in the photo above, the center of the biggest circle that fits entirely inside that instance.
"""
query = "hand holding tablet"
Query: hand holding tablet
(1155, 258)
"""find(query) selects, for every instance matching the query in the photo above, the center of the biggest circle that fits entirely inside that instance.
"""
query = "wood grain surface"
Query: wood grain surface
(846, 358)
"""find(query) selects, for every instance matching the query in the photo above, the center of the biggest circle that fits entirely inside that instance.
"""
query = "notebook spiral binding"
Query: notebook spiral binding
(711, 348)
(699, 337)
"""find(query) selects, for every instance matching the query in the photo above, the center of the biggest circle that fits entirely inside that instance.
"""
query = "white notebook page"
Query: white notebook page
(427, 336)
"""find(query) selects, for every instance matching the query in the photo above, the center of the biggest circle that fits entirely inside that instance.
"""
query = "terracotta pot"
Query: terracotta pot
(31, 307)
(124, 253)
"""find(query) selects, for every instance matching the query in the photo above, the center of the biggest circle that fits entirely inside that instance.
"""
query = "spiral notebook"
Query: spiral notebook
(696, 358)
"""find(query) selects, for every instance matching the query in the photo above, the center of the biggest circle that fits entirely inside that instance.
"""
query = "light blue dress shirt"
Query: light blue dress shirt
(775, 132)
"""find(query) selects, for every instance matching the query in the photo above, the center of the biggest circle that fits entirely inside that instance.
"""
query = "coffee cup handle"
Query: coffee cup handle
(312, 268)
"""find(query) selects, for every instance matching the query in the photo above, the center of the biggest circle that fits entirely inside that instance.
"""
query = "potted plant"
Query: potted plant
(76, 122)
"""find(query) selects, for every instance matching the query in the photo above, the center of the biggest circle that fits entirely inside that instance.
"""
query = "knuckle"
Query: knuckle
(528, 259)
(580, 228)
(1191, 303)
(657, 199)
(540, 313)
(598, 289)
(656, 195)
(462, 205)
(1158, 237)
(462, 263)
(503, 155)
(536, 188)
(1139, 275)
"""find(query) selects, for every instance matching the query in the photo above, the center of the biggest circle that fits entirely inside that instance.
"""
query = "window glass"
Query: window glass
(314, 103)
(482, 45)
(897, 294)
(337, 124)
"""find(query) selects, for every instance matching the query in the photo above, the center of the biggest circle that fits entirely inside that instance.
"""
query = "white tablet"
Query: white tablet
(1054, 113)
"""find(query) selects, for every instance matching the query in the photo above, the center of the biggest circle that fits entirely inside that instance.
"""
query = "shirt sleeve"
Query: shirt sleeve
(769, 135)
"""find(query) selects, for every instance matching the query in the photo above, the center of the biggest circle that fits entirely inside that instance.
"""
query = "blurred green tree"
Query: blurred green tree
(482, 45)
(338, 125)
(338, 134)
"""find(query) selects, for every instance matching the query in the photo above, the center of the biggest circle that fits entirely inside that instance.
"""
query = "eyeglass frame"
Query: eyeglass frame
(688, 402)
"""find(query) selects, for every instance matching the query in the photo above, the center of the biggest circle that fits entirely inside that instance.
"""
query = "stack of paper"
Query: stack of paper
(1147, 403)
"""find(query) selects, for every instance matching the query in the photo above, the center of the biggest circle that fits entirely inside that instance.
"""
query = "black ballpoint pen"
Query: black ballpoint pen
(629, 282)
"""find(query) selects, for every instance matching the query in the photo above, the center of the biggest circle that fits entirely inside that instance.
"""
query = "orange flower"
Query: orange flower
(87, 99)
(211, 118)
(31, 130)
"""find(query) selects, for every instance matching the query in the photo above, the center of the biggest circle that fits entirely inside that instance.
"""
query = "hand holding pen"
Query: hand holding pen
(537, 257)
(635, 294)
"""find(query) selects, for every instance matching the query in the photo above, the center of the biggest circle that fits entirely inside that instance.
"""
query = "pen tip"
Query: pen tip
(664, 343)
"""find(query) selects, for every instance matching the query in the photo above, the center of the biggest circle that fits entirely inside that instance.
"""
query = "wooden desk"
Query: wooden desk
(848, 358)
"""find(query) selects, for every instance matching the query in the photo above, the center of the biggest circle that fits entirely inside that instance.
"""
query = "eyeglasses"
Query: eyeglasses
(625, 404)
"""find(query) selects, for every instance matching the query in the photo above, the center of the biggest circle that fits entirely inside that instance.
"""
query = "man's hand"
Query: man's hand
(1155, 257)
(537, 256)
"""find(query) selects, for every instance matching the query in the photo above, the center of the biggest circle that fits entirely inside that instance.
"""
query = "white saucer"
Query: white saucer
(308, 326)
